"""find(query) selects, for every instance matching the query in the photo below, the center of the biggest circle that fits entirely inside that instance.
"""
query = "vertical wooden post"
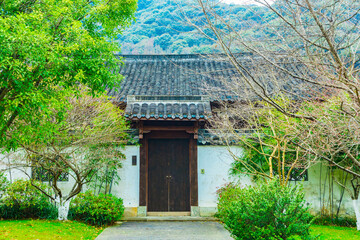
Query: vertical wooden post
(193, 172)
(143, 172)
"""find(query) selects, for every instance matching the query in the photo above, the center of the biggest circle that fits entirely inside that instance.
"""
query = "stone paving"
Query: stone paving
(166, 231)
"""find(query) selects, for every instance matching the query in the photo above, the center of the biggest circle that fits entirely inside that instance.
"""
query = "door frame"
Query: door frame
(165, 133)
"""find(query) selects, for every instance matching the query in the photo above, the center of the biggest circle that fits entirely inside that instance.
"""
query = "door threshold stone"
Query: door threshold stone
(168, 214)
(167, 218)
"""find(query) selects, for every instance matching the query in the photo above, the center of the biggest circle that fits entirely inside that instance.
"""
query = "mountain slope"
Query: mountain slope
(160, 27)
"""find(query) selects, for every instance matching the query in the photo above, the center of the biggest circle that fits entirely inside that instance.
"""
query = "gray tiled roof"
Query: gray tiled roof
(193, 75)
(171, 75)
(145, 108)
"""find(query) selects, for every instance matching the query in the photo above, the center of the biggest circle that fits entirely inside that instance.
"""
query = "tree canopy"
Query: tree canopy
(80, 142)
(322, 38)
(161, 26)
(55, 44)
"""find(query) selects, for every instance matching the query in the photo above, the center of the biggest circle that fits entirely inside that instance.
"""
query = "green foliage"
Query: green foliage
(335, 221)
(103, 180)
(268, 211)
(178, 46)
(257, 160)
(98, 210)
(55, 43)
(253, 158)
(86, 142)
(22, 200)
(163, 21)
(3, 183)
(335, 134)
(164, 41)
(86, 117)
(268, 147)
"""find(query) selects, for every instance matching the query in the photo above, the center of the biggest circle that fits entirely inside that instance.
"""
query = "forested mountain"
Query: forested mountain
(160, 27)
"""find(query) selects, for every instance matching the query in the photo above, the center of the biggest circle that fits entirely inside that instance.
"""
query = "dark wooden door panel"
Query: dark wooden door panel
(179, 171)
(168, 166)
(157, 171)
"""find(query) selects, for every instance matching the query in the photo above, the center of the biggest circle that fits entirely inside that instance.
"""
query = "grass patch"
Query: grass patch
(47, 230)
(335, 233)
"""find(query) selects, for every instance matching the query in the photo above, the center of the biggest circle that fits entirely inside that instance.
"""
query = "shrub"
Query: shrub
(98, 210)
(339, 221)
(268, 211)
(21, 201)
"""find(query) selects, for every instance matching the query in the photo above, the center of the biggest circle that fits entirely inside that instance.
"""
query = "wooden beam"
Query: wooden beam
(168, 128)
(188, 129)
(143, 173)
(193, 172)
(168, 134)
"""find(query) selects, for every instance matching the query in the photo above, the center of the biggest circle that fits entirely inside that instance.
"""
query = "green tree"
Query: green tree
(269, 152)
(324, 57)
(79, 142)
(52, 43)
(164, 41)
(178, 46)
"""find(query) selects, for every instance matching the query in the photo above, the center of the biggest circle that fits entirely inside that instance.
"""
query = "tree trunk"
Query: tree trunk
(63, 209)
(356, 204)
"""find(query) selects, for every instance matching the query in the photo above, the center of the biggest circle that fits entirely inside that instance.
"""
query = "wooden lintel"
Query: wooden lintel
(188, 129)
(169, 128)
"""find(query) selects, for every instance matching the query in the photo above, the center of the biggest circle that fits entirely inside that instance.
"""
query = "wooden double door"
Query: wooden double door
(168, 175)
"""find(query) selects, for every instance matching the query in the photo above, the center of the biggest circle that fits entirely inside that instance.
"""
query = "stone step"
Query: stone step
(168, 218)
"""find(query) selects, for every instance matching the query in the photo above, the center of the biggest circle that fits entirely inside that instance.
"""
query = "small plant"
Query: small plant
(268, 211)
(98, 210)
(339, 221)
(21, 201)
(3, 183)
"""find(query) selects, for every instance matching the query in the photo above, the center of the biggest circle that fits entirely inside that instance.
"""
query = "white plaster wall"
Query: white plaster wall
(319, 178)
(128, 187)
(13, 174)
(216, 162)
